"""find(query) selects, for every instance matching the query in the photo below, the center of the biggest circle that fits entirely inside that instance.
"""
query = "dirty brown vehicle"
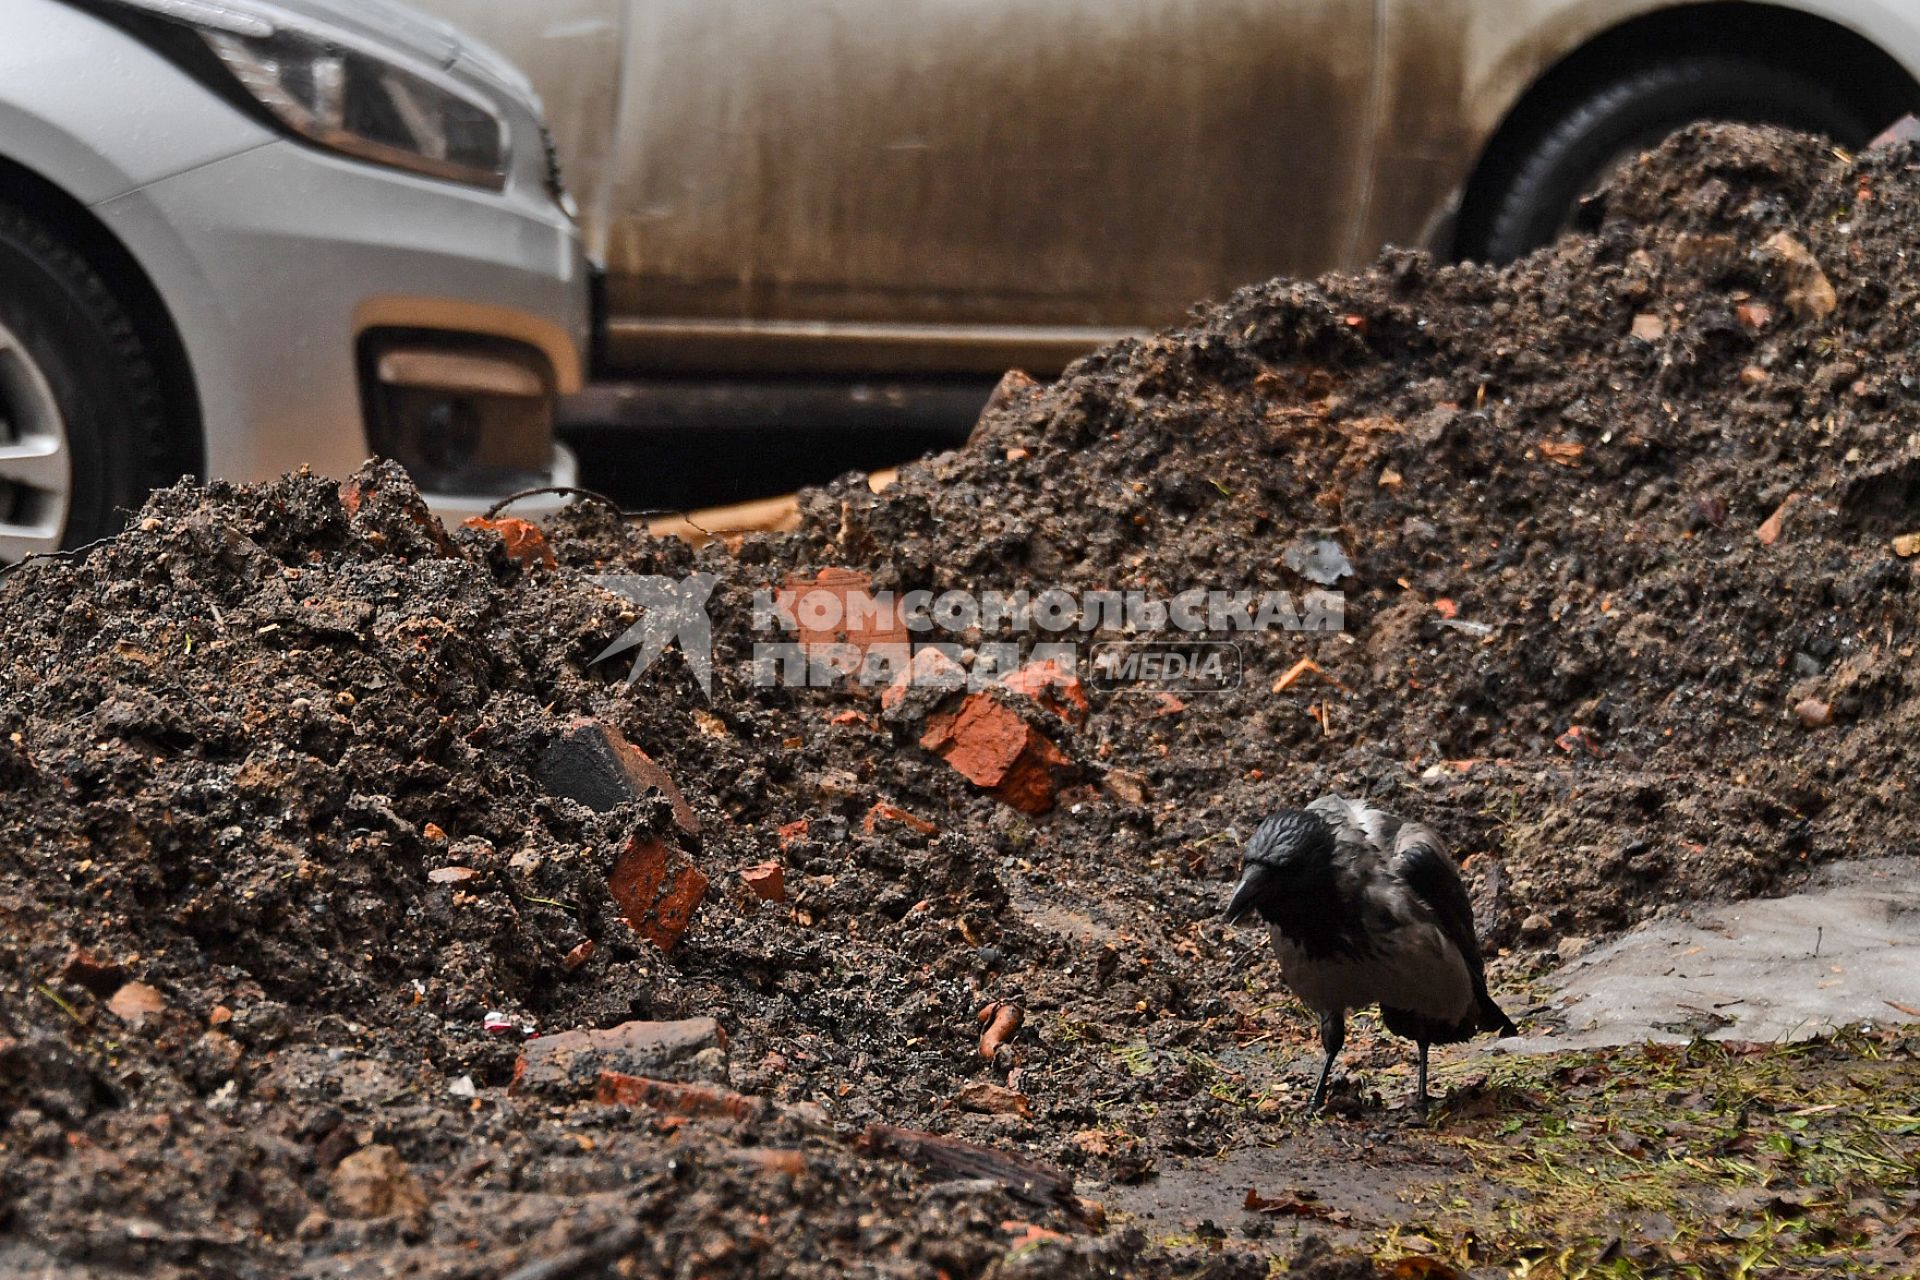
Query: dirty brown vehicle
(914, 188)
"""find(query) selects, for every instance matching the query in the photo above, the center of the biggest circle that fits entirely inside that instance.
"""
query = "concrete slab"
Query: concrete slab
(1843, 951)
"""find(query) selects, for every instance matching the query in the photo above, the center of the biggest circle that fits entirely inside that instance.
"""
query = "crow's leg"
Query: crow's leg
(1420, 1089)
(1333, 1034)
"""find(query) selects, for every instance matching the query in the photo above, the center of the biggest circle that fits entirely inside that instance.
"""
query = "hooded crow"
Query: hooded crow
(1365, 908)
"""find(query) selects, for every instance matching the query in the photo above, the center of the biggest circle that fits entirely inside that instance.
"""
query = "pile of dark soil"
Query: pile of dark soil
(1628, 619)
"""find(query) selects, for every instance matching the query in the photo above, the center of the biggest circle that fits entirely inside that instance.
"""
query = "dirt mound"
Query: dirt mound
(257, 725)
(1629, 608)
(1620, 532)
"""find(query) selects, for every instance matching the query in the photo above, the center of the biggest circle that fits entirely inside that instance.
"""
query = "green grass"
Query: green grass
(1701, 1160)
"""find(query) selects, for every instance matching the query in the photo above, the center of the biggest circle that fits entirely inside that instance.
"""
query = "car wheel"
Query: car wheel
(82, 422)
(1569, 155)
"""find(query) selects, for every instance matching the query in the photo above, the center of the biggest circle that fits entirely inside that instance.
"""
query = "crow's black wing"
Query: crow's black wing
(1424, 867)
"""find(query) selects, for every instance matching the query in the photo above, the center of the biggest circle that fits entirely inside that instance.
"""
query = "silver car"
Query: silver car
(937, 188)
(237, 238)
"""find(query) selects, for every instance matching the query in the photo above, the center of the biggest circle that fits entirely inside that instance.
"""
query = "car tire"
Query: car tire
(82, 414)
(1568, 154)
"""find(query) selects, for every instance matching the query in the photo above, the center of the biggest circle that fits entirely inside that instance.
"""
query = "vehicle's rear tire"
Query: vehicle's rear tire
(82, 416)
(1529, 198)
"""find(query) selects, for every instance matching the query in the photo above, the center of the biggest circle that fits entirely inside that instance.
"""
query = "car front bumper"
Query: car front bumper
(288, 271)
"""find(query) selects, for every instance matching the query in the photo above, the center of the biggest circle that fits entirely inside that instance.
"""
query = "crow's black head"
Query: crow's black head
(1289, 853)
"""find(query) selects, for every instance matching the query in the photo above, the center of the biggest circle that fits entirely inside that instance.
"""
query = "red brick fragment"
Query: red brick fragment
(767, 880)
(616, 1088)
(1128, 787)
(1771, 528)
(990, 745)
(523, 539)
(1003, 1021)
(791, 831)
(657, 889)
(833, 608)
(1026, 1234)
(1578, 738)
(884, 812)
(1053, 686)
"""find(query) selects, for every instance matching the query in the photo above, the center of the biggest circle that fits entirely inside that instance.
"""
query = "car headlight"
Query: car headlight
(335, 90)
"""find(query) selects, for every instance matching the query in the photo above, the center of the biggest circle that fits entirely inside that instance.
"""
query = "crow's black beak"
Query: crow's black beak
(1255, 881)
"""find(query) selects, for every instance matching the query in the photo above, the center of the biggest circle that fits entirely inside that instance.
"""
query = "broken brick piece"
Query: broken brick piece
(569, 1064)
(657, 888)
(1003, 1021)
(1307, 666)
(884, 812)
(1027, 1235)
(989, 744)
(981, 738)
(615, 1088)
(1577, 738)
(837, 607)
(593, 763)
(767, 880)
(1053, 686)
(522, 539)
(1771, 528)
(791, 831)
